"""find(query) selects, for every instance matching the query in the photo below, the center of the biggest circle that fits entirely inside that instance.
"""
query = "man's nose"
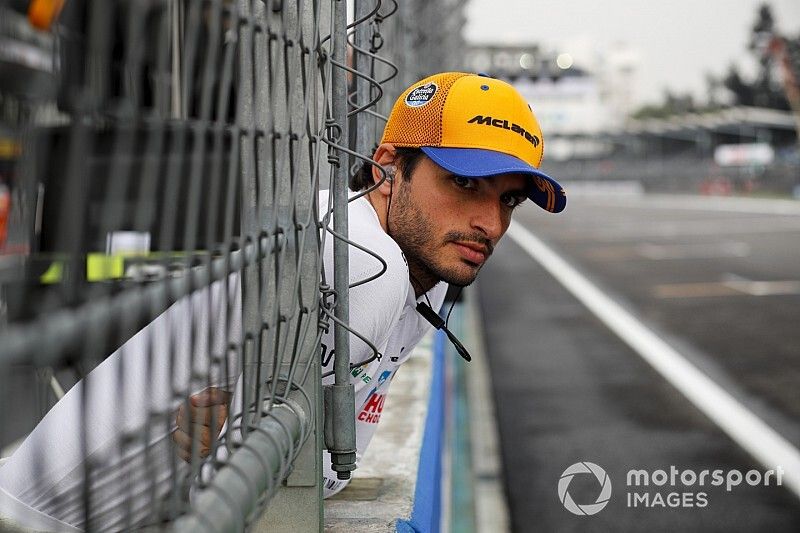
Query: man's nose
(488, 218)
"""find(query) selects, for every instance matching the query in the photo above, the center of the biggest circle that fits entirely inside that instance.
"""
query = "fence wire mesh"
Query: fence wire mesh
(162, 161)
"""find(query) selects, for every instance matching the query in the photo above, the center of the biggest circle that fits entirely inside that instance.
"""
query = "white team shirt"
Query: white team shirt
(382, 310)
(40, 483)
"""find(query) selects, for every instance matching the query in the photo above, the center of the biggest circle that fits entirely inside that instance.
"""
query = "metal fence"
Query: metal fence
(163, 159)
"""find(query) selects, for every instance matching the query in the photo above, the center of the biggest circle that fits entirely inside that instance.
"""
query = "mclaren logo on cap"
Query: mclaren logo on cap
(505, 125)
(419, 96)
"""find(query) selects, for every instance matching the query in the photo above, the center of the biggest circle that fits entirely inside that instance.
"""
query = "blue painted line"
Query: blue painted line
(427, 511)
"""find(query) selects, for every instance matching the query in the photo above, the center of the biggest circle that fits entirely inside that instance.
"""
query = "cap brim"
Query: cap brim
(479, 163)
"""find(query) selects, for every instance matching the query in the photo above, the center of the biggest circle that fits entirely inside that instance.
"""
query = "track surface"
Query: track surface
(720, 282)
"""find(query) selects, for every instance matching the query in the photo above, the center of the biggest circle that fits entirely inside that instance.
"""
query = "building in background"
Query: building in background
(584, 100)
(576, 96)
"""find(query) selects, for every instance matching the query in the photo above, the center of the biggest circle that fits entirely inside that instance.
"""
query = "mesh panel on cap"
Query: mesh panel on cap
(420, 126)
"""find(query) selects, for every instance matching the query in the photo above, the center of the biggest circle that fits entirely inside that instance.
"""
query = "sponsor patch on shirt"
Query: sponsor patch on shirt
(373, 407)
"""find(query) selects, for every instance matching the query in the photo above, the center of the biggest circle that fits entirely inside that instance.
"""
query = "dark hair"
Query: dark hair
(406, 161)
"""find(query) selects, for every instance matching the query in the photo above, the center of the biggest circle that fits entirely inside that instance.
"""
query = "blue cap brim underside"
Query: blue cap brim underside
(479, 163)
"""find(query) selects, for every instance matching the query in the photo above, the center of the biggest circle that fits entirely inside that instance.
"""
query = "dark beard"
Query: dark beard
(414, 233)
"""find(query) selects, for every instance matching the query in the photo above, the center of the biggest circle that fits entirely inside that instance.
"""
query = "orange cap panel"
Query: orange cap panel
(421, 125)
(490, 114)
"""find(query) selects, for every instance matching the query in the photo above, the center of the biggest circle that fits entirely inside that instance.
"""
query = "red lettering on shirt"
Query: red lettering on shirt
(375, 403)
(373, 407)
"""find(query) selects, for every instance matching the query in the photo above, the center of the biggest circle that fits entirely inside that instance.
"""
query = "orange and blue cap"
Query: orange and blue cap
(474, 126)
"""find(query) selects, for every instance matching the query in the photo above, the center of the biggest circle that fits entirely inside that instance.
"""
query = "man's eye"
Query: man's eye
(464, 183)
(512, 200)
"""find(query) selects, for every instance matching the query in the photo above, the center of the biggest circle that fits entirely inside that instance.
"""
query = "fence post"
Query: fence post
(340, 397)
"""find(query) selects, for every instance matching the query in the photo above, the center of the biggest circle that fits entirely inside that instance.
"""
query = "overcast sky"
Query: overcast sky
(677, 41)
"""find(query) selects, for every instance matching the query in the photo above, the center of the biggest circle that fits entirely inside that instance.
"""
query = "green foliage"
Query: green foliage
(672, 104)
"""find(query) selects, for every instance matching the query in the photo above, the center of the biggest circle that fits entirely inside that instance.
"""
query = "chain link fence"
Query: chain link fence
(162, 160)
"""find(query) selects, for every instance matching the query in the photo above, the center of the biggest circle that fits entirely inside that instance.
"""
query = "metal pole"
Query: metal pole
(363, 92)
(340, 397)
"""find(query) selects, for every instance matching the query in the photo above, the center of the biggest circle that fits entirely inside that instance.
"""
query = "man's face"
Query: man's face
(447, 226)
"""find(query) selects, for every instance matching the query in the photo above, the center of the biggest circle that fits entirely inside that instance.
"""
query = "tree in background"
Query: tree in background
(766, 90)
(780, 53)
(672, 104)
(778, 59)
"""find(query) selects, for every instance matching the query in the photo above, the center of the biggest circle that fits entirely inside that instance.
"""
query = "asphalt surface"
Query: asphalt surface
(721, 284)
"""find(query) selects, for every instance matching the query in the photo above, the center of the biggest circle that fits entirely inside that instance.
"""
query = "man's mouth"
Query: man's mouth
(472, 252)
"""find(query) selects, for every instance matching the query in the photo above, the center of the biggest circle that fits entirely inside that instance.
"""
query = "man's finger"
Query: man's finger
(203, 416)
(210, 396)
(207, 415)
(180, 418)
(183, 442)
(183, 445)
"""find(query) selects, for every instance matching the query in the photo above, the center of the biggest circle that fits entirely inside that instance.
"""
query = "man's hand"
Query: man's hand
(207, 407)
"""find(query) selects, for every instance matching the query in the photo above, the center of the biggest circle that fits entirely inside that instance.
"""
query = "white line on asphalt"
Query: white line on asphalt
(706, 289)
(686, 228)
(751, 433)
(660, 252)
(761, 288)
(706, 203)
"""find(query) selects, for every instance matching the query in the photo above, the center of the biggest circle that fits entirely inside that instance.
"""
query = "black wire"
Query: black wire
(416, 281)
(452, 305)
(389, 204)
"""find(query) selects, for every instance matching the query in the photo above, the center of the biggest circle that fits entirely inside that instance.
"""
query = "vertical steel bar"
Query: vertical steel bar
(176, 11)
(343, 451)
(363, 90)
(246, 117)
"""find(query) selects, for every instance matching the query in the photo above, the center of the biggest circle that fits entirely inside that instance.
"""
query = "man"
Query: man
(461, 151)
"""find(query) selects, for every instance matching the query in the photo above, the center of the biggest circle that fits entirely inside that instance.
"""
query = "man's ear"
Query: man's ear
(385, 155)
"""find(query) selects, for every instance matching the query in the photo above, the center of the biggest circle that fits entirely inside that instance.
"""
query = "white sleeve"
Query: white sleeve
(133, 389)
